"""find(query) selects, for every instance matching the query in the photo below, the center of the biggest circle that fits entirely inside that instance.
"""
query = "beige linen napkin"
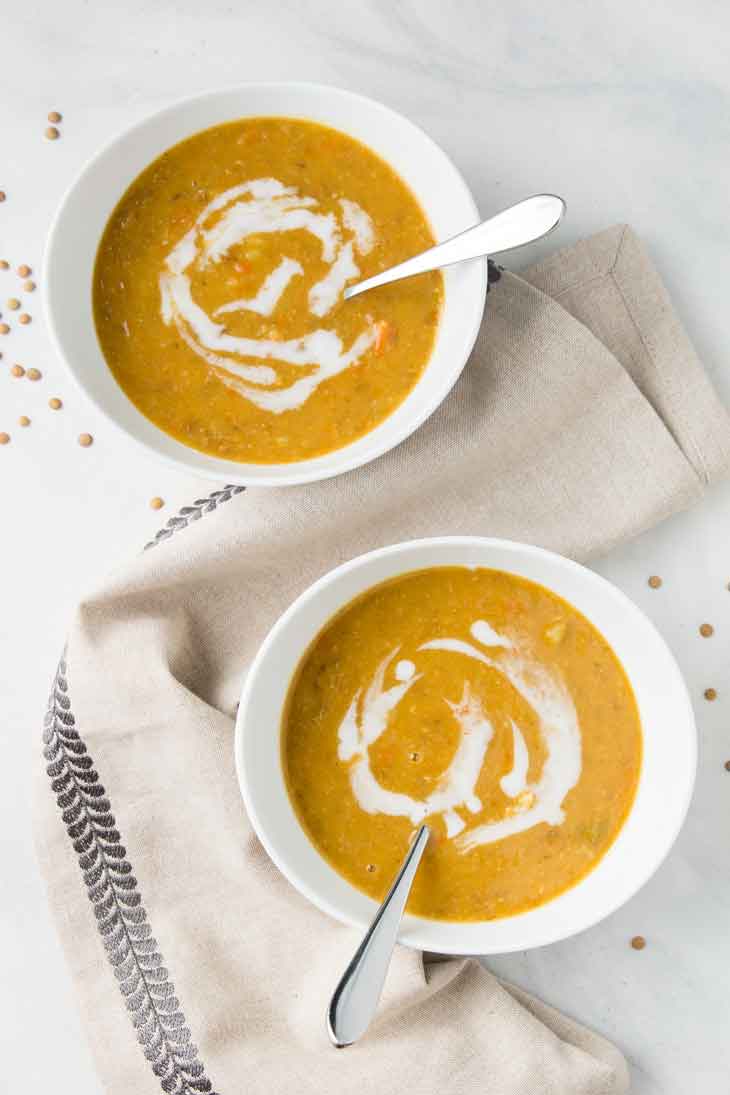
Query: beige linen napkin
(582, 418)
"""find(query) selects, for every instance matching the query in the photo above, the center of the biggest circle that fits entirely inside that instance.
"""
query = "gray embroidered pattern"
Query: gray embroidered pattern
(133, 951)
(188, 514)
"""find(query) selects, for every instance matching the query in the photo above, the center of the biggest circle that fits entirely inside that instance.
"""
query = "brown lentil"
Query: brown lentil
(2, 195)
(4, 438)
(706, 630)
(157, 503)
(13, 304)
(727, 765)
(17, 370)
(4, 329)
(85, 439)
(4, 264)
(655, 581)
(24, 271)
(24, 420)
(34, 374)
(54, 116)
(638, 942)
(23, 318)
(28, 286)
(52, 133)
(710, 694)
(55, 404)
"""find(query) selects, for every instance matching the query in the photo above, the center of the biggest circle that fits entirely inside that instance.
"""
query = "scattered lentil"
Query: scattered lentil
(24, 318)
(727, 765)
(4, 264)
(52, 133)
(4, 438)
(24, 271)
(24, 420)
(4, 329)
(54, 116)
(638, 942)
(710, 694)
(17, 370)
(655, 581)
(85, 439)
(2, 195)
(55, 404)
(34, 374)
(28, 286)
(156, 503)
(706, 630)
(13, 304)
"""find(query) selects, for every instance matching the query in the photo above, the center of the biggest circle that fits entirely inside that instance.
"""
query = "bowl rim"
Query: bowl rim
(236, 472)
(412, 932)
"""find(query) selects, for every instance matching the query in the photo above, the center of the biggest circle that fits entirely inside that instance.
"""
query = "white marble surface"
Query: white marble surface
(622, 107)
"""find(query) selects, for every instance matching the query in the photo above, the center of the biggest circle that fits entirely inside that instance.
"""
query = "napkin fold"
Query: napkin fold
(582, 418)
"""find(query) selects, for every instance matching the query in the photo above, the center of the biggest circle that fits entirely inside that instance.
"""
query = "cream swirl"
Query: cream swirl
(532, 803)
(252, 208)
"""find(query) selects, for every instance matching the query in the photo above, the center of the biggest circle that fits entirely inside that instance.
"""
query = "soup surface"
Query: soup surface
(481, 703)
(218, 291)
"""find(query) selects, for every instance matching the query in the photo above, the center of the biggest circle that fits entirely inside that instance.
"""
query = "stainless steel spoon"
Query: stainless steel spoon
(523, 223)
(356, 997)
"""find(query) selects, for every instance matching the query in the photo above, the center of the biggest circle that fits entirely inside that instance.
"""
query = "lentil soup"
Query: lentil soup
(218, 291)
(482, 703)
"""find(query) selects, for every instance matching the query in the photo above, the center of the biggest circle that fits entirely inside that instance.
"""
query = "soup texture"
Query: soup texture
(218, 291)
(480, 703)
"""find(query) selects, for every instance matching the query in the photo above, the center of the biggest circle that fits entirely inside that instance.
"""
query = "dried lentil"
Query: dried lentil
(710, 694)
(157, 503)
(24, 271)
(706, 630)
(655, 581)
(4, 438)
(638, 942)
(23, 318)
(85, 439)
(24, 420)
(13, 304)
(55, 404)
(34, 374)
(28, 286)
(4, 329)
(54, 116)
(17, 370)
(52, 133)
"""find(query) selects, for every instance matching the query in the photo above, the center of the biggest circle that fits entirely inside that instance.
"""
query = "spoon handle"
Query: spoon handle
(523, 223)
(356, 997)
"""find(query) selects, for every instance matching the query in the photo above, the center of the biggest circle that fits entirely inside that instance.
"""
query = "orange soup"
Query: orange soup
(482, 704)
(218, 291)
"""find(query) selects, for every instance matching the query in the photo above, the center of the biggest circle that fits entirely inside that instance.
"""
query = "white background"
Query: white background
(622, 107)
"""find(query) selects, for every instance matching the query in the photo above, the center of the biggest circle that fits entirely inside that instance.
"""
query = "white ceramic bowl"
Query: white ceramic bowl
(665, 784)
(80, 221)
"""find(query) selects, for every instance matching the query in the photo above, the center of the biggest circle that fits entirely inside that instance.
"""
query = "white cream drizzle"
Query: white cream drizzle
(270, 292)
(485, 634)
(533, 803)
(514, 782)
(360, 729)
(252, 208)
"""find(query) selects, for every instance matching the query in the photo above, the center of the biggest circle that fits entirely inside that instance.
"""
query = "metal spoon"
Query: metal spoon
(523, 223)
(356, 997)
